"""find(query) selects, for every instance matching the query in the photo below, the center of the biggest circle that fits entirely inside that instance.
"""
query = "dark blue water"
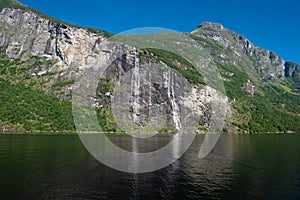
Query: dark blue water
(240, 167)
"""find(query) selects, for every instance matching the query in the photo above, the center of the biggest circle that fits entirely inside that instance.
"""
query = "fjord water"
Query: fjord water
(239, 167)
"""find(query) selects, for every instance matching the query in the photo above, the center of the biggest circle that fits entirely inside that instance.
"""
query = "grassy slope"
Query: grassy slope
(172, 60)
(9, 3)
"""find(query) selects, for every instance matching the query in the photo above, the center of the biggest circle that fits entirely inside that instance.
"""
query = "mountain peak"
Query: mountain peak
(211, 25)
(262, 64)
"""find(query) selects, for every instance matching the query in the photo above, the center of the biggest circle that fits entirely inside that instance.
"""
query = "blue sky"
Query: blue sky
(274, 25)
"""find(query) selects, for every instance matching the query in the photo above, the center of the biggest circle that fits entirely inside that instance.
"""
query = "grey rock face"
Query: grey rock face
(239, 51)
(292, 69)
(250, 88)
(147, 92)
(26, 34)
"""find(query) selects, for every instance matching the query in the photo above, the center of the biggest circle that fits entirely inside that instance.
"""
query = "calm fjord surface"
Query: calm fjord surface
(240, 167)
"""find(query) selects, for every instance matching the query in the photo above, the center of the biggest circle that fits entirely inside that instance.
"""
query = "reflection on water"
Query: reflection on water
(239, 167)
(133, 161)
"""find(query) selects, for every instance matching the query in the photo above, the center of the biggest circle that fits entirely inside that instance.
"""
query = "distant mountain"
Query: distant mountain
(40, 56)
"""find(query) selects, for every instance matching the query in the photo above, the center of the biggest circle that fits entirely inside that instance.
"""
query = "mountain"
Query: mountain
(40, 57)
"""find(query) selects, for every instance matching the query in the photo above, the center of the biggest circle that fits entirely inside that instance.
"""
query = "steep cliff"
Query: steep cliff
(292, 69)
(43, 54)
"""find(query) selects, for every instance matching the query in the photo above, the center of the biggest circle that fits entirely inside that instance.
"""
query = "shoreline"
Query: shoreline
(124, 134)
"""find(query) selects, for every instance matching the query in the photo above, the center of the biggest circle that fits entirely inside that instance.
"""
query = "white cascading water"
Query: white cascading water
(150, 108)
(171, 95)
(135, 89)
(149, 85)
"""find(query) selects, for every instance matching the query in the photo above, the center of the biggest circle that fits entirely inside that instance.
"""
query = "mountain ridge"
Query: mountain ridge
(43, 55)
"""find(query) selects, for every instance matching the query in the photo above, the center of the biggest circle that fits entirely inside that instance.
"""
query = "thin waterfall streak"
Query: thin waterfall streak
(135, 86)
(150, 92)
(175, 107)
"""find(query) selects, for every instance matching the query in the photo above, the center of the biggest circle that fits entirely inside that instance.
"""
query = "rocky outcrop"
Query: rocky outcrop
(157, 95)
(239, 51)
(292, 69)
(25, 34)
(250, 88)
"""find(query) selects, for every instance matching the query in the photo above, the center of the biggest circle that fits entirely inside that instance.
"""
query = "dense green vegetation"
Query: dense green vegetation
(104, 114)
(107, 121)
(59, 85)
(235, 81)
(275, 111)
(293, 83)
(33, 110)
(275, 107)
(17, 71)
(179, 64)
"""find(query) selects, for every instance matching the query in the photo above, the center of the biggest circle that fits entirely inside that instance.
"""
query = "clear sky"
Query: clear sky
(271, 24)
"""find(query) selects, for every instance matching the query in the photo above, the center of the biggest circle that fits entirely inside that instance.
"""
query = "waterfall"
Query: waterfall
(135, 89)
(149, 84)
(171, 95)
(151, 113)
